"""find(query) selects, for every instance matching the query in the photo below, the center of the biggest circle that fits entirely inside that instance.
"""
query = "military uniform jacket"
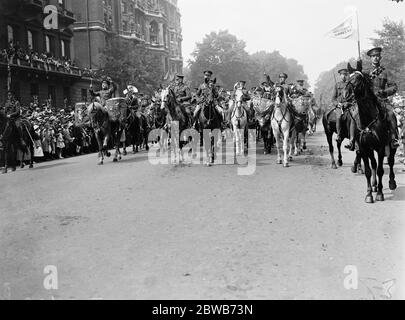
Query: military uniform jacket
(183, 93)
(287, 88)
(343, 94)
(204, 91)
(104, 94)
(381, 86)
(12, 109)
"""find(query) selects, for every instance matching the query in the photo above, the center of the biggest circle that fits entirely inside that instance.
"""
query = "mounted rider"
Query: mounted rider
(342, 100)
(383, 89)
(282, 83)
(266, 87)
(183, 94)
(12, 110)
(203, 91)
(299, 90)
(108, 88)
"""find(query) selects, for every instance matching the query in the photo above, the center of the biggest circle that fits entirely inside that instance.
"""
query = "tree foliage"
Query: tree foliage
(126, 61)
(225, 55)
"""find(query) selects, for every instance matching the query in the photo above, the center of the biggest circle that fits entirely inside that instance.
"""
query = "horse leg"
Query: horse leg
(369, 195)
(22, 165)
(278, 147)
(304, 138)
(373, 172)
(31, 156)
(285, 147)
(5, 152)
(340, 159)
(14, 153)
(380, 173)
(391, 162)
(331, 150)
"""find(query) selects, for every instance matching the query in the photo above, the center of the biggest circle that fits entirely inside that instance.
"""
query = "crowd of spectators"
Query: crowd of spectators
(54, 130)
(14, 51)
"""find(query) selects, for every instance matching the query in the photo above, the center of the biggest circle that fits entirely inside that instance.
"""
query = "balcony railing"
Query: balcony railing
(44, 66)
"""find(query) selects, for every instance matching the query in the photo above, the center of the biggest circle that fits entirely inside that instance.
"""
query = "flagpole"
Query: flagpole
(358, 34)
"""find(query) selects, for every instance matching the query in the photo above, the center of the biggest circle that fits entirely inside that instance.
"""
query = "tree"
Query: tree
(225, 55)
(392, 39)
(126, 61)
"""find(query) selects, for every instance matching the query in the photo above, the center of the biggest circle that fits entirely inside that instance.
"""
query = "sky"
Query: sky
(295, 28)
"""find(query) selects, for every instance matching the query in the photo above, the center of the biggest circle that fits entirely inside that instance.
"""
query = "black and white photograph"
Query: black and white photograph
(202, 150)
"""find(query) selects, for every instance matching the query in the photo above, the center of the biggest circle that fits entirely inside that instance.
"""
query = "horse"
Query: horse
(329, 125)
(263, 109)
(281, 122)
(373, 136)
(209, 118)
(239, 119)
(9, 139)
(105, 130)
(301, 107)
(175, 113)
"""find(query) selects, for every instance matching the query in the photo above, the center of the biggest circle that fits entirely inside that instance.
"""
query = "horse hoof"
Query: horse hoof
(369, 199)
(286, 165)
(380, 197)
(115, 160)
(100, 163)
(265, 152)
(334, 166)
(119, 158)
(22, 166)
(31, 166)
(290, 159)
(340, 163)
(393, 185)
(13, 169)
(354, 169)
(304, 147)
(279, 162)
(108, 154)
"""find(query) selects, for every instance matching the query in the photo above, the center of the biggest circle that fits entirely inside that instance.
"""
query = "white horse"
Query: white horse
(281, 121)
(238, 120)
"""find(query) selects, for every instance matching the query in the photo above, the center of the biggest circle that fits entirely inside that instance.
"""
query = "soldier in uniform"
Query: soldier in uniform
(12, 110)
(183, 94)
(108, 88)
(267, 86)
(201, 94)
(383, 89)
(342, 100)
(300, 90)
(282, 82)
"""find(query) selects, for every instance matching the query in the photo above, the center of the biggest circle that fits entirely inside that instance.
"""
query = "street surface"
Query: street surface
(138, 231)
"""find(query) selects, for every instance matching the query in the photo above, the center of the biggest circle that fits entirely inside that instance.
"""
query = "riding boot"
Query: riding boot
(393, 130)
(352, 145)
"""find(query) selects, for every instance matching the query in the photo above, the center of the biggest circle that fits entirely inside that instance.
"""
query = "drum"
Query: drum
(81, 116)
(117, 109)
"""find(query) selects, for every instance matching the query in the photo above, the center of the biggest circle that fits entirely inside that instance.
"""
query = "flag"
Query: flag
(346, 30)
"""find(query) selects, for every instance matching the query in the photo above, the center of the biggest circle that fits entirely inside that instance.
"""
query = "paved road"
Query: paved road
(134, 230)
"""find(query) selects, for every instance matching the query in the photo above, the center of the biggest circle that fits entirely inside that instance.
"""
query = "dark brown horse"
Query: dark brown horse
(210, 119)
(374, 136)
(105, 131)
(11, 142)
(177, 122)
(329, 125)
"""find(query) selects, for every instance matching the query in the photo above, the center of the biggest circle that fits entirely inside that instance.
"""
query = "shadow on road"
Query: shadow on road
(397, 195)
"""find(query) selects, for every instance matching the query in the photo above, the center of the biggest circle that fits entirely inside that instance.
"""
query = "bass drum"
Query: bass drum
(117, 109)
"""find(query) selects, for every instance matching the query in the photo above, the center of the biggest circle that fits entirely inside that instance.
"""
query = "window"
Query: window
(47, 44)
(34, 89)
(30, 40)
(10, 33)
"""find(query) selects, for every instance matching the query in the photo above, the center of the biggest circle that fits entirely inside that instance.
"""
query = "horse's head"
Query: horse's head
(238, 96)
(358, 83)
(167, 97)
(279, 94)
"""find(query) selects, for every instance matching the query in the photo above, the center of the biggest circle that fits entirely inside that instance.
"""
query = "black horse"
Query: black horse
(374, 128)
(210, 119)
(12, 142)
(329, 124)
